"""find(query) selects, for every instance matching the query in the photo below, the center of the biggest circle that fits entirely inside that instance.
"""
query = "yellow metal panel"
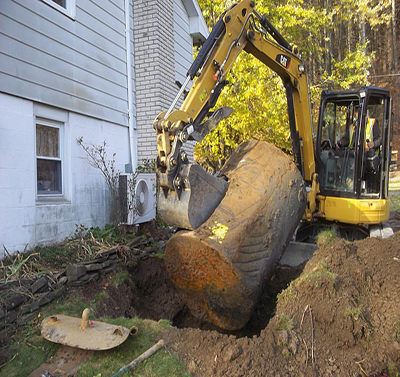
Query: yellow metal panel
(355, 211)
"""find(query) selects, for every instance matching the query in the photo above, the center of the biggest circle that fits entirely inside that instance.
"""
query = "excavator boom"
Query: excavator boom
(239, 28)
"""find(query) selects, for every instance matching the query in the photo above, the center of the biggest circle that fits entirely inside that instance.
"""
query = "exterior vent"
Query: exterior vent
(140, 207)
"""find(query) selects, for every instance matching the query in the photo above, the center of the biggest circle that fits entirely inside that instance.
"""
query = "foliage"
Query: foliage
(15, 267)
(351, 71)
(147, 166)
(332, 41)
(394, 202)
(86, 245)
(97, 158)
(326, 237)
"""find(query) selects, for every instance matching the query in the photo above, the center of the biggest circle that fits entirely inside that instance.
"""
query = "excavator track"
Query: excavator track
(221, 267)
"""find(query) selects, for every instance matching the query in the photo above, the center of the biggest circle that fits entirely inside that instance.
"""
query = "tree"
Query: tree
(334, 39)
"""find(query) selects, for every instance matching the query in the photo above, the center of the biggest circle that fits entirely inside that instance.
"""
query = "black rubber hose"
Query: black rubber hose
(216, 33)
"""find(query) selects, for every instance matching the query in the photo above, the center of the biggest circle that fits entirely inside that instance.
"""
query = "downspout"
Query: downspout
(131, 99)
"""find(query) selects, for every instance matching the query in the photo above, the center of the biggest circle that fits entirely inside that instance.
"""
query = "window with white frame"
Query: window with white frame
(49, 162)
(64, 6)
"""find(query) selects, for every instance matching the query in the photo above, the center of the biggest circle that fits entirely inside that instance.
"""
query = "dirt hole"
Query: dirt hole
(149, 293)
(263, 312)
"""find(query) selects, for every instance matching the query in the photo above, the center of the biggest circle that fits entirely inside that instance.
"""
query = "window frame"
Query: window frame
(60, 126)
(69, 10)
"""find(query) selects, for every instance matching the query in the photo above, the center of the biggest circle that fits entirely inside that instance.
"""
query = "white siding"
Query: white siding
(24, 222)
(183, 41)
(78, 65)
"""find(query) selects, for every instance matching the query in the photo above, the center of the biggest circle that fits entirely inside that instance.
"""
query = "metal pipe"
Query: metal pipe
(174, 102)
(131, 99)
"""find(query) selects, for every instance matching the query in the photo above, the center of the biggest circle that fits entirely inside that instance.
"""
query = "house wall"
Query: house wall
(183, 42)
(25, 220)
(74, 64)
(73, 70)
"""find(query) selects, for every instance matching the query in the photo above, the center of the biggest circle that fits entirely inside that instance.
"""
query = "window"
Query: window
(339, 127)
(64, 6)
(49, 158)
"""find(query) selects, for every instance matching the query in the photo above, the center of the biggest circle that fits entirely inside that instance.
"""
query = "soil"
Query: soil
(340, 317)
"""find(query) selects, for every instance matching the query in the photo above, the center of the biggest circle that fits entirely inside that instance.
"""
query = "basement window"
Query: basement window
(49, 158)
(66, 7)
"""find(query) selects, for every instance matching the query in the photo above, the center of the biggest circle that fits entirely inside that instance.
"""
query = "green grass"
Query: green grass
(326, 237)
(395, 203)
(30, 353)
(119, 277)
(32, 350)
(285, 323)
(355, 313)
(320, 272)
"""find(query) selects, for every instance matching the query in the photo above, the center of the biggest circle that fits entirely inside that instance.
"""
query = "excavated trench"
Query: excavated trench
(149, 293)
(263, 311)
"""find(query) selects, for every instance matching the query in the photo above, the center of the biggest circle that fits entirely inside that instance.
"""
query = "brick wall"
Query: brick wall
(153, 34)
(153, 39)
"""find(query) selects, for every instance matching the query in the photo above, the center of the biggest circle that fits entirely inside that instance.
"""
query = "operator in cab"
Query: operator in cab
(373, 137)
(373, 142)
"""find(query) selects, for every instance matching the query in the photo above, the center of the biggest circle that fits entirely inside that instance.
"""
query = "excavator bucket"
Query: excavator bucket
(198, 200)
(221, 267)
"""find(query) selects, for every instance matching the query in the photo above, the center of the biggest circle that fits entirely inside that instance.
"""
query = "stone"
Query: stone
(93, 277)
(14, 301)
(78, 283)
(40, 285)
(109, 269)
(106, 264)
(75, 271)
(137, 241)
(109, 252)
(23, 320)
(59, 275)
(15, 283)
(45, 299)
(231, 352)
(84, 278)
(150, 249)
(58, 293)
(29, 308)
(50, 296)
(94, 267)
(62, 281)
(97, 260)
(161, 245)
(10, 317)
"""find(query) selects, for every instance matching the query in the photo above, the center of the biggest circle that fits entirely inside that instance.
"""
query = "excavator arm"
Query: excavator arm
(242, 220)
(239, 28)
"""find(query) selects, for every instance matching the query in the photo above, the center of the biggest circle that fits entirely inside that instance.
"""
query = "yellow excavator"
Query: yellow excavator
(236, 225)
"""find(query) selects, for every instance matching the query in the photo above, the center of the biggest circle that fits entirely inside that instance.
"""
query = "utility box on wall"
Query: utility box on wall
(137, 197)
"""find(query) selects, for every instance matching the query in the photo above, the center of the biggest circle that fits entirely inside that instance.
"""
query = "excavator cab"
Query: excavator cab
(348, 164)
(352, 156)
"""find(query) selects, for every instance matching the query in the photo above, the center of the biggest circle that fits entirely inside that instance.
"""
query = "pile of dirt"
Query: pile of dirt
(341, 317)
